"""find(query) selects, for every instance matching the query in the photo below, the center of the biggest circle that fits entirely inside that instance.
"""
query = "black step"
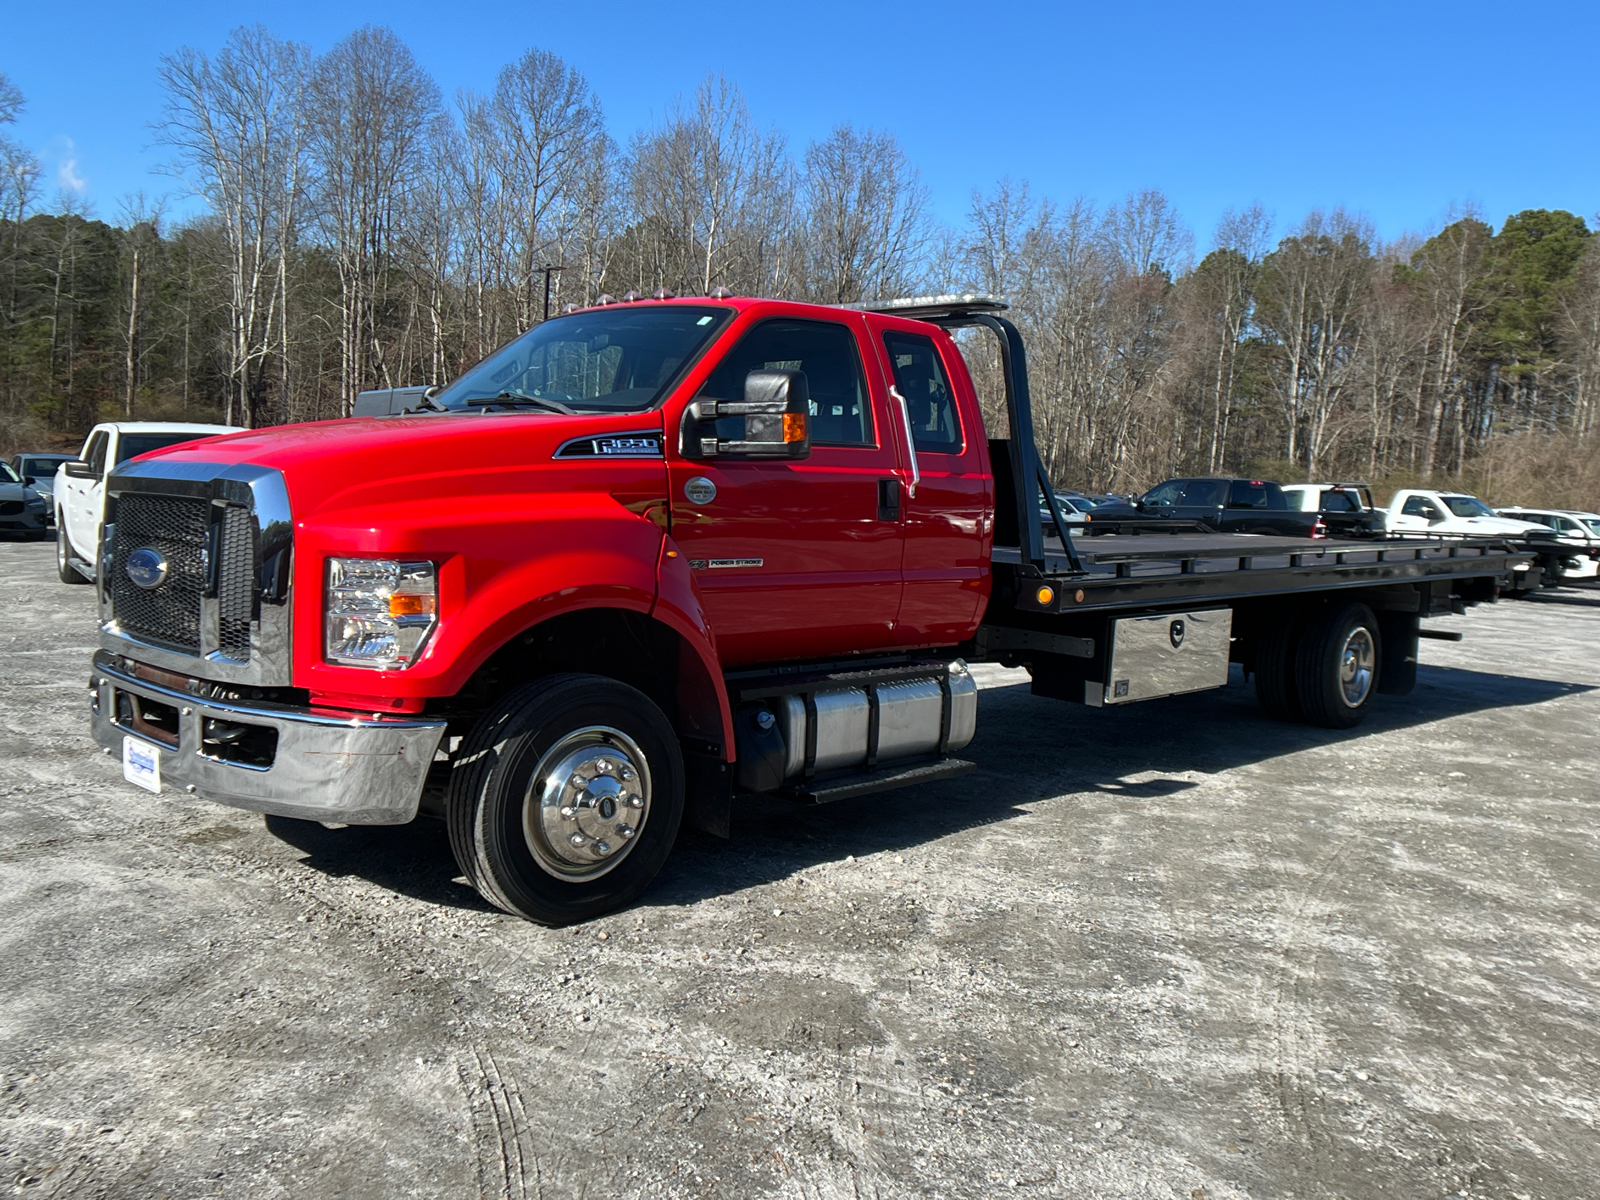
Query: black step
(882, 780)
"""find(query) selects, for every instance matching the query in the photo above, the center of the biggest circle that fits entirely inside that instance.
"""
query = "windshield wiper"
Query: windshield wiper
(518, 400)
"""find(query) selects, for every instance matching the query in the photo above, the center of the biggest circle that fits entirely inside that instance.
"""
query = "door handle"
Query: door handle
(911, 440)
(888, 499)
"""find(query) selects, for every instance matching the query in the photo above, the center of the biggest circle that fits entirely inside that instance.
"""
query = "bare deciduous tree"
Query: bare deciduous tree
(371, 105)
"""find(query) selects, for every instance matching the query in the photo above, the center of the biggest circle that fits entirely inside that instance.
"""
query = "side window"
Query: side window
(1565, 526)
(1165, 494)
(1246, 494)
(841, 414)
(919, 377)
(96, 454)
(1338, 502)
(1206, 493)
(1416, 506)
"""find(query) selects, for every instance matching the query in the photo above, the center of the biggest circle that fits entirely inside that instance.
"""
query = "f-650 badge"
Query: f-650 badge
(617, 445)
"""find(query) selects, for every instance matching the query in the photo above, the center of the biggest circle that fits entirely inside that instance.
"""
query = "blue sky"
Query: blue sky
(1397, 110)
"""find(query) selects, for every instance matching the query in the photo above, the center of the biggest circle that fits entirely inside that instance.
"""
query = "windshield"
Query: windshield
(134, 444)
(619, 359)
(1592, 522)
(1467, 506)
(7, 475)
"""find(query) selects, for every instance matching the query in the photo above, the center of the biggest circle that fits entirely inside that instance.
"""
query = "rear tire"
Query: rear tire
(566, 798)
(1274, 671)
(1337, 666)
(65, 571)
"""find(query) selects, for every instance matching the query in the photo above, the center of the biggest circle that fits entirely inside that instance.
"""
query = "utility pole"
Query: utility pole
(548, 271)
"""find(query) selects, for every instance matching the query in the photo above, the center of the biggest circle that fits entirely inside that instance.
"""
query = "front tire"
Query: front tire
(1337, 667)
(65, 571)
(566, 798)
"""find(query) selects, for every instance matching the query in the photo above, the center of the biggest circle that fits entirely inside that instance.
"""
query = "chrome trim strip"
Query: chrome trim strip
(357, 771)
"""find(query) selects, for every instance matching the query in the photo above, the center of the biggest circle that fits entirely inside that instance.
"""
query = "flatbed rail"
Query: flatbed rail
(1220, 567)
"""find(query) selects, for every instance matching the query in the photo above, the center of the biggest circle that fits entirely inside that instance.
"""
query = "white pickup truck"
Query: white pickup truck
(1421, 510)
(80, 485)
(1578, 533)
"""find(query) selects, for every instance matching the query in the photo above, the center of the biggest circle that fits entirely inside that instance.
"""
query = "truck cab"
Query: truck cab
(1424, 511)
(631, 505)
(79, 489)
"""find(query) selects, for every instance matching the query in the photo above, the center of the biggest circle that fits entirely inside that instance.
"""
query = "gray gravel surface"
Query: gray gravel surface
(1174, 950)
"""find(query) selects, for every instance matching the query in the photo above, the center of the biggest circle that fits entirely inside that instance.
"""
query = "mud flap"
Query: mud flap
(1397, 632)
(708, 795)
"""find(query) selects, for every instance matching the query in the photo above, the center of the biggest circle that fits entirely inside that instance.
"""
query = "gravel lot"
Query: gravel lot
(1176, 950)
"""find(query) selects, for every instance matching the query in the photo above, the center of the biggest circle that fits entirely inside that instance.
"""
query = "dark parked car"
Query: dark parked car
(1223, 505)
(38, 471)
(22, 510)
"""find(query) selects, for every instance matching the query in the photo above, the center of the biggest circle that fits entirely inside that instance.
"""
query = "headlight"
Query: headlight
(378, 612)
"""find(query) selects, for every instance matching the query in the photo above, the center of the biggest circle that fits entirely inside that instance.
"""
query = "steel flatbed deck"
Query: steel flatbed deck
(1160, 569)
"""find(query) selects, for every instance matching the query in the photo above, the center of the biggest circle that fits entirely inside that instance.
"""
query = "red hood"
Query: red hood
(366, 460)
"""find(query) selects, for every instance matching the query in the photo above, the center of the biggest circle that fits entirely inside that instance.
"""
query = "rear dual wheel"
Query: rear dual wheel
(566, 798)
(1324, 672)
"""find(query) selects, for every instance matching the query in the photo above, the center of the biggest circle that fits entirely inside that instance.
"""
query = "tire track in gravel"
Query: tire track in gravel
(1294, 1034)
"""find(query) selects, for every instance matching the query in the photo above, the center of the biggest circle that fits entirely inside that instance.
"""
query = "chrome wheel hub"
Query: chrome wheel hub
(1356, 661)
(586, 803)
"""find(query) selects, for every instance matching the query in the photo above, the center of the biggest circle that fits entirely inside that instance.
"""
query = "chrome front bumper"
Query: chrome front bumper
(354, 771)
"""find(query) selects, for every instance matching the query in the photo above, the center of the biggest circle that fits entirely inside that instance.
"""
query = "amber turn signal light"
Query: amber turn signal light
(794, 427)
(412, 604)
(1045, 595)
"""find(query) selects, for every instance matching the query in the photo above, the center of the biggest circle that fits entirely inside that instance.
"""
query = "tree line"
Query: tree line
(361, 230)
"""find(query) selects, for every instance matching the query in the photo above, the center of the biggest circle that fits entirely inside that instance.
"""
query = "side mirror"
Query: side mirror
(78, 469)
(775, 413)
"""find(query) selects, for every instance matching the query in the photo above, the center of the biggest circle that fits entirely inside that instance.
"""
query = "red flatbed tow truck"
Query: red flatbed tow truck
(654, 557)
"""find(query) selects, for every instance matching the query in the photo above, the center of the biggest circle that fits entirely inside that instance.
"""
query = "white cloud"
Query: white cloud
(67, 168)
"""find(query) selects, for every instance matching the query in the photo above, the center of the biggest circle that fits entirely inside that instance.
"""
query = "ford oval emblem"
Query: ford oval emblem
(147, 567)
(1176, 633)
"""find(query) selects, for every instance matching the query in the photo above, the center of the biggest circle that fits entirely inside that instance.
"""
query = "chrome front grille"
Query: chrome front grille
(221, 611)
(179, 529)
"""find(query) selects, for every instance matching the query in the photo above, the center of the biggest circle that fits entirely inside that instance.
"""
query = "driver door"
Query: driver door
(797, 559)
(1418, 514)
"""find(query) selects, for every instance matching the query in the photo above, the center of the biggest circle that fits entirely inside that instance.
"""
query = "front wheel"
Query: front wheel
(1336, 666)
(65, 571)
(566, 798)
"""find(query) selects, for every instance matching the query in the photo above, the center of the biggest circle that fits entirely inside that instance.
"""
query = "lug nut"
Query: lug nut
(602, 847)
(568, 811)
(576, 781)
(633, 801)
(577, 839)
(625, 830)
(603, 766)
(627, 772)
